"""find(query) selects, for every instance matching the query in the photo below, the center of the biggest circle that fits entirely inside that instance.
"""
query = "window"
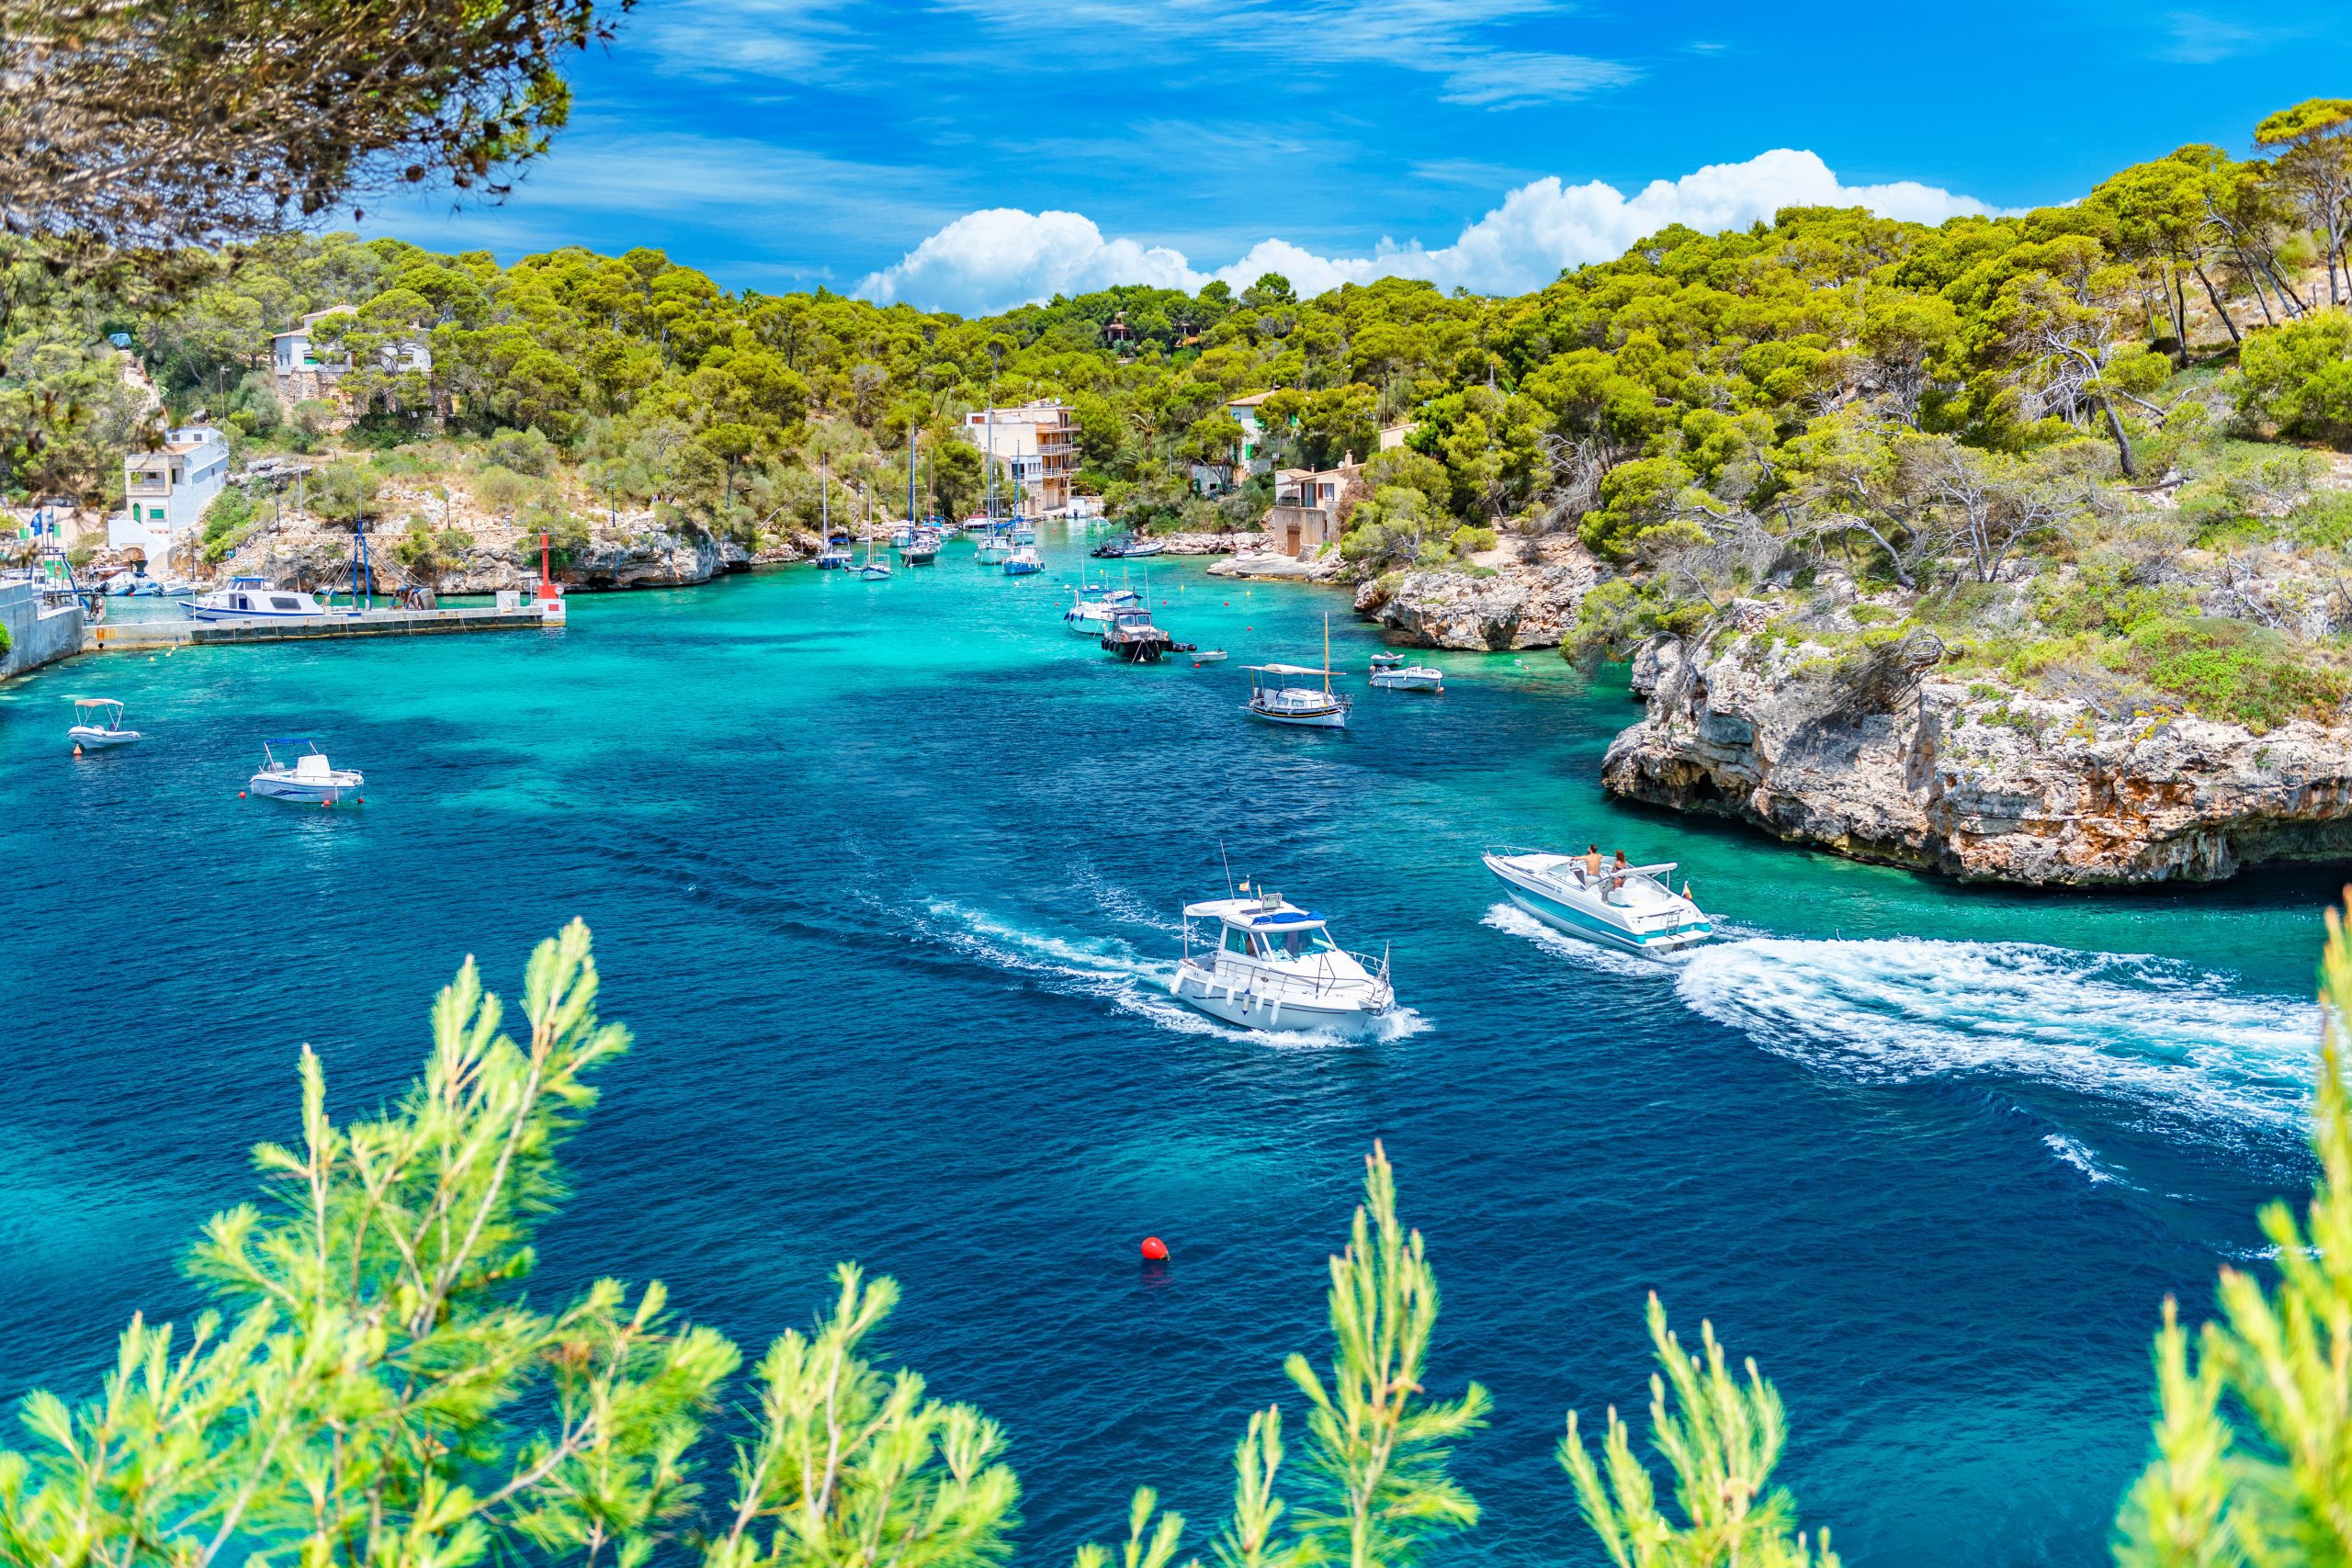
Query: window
(239, 603)
(284, 602)
(1235, 940)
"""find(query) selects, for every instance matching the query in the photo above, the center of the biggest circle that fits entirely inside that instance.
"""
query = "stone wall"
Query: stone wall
(38, 634)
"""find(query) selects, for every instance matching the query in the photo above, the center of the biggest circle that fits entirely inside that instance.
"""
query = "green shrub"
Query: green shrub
(225, 520)
(2228, 670)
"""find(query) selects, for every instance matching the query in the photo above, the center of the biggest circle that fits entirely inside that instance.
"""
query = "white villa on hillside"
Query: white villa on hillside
(1210, 478)
(1036, 446)
(296, 364)
(165, 492)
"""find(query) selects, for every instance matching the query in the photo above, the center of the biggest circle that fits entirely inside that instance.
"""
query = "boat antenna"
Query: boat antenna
(1228, 867)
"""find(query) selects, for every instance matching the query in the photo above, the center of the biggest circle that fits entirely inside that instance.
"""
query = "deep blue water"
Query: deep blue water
(884, 877)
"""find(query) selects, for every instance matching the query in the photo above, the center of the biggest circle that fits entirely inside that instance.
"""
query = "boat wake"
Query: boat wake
(2165, 1036)
(1111, 969)
(1510, 918)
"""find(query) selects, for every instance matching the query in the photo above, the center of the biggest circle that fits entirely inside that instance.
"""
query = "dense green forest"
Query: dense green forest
(1935, 414)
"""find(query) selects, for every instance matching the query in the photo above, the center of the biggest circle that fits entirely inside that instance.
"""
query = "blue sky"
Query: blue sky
(973, 153)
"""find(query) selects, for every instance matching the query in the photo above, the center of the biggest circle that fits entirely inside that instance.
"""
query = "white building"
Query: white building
(1244, 460)
(1036, 446)
(302, 372)
(165, 492)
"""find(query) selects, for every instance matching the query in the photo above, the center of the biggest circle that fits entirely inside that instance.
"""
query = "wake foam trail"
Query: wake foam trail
(2070, 1152)
(1510, 918)
(1111, 969)
(2137, 1028)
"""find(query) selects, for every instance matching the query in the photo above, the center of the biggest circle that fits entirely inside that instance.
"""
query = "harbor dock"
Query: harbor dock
(149, 635)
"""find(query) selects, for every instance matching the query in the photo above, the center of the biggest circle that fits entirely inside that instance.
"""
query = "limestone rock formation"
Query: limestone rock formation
(1879, 757)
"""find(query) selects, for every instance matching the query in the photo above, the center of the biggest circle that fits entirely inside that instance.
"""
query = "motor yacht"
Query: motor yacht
(253, 599)
(307, 778)
(1633, 907)
(99, 724)
(1402, 677)
(1270, 965)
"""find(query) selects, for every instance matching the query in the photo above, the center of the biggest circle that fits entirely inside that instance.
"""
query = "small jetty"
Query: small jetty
(146, 637)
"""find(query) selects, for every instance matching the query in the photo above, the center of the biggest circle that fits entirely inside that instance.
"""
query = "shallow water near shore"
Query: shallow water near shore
(886, 878)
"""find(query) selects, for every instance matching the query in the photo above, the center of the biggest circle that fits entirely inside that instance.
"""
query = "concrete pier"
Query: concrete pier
(145, 637)
(41, 630)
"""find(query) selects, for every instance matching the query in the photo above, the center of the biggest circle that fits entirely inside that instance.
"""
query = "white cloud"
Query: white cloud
(1003, 257)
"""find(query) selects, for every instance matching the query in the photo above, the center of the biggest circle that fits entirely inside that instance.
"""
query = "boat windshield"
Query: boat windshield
(1298, 942)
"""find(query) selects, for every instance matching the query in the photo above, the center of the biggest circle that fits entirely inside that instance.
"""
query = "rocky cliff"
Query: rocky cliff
(1880, 756)
(1500, 600)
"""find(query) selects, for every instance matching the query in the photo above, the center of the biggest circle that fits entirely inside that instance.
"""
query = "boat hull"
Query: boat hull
(1245, 1011)
(91, 740)
(303, 792)
(1332, 719)
(1564, 916)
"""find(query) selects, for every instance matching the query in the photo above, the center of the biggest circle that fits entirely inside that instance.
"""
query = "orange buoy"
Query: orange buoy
(1155, 1250)
(241, 794)
(77, 747)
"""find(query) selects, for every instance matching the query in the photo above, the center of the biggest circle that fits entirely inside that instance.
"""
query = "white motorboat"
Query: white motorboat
(993, 548)
(253, 599)
(1207, 656)
(1024, 562)
(834, 557)
(1402, 677)
(1093, 611)
(1024, 533)
(99, 724)
(1272, 965)
(1633, 907)
(308, 778)
(1143, 547)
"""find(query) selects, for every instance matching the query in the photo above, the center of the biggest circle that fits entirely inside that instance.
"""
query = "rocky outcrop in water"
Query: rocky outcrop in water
(1499, 602)
(1877, 757)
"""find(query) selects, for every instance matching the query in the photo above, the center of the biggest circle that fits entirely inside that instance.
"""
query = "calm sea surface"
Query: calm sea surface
(886, 877)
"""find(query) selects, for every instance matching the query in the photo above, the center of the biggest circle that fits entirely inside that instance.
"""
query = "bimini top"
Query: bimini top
(1287, 670)
(1254, 914)
(96, 703)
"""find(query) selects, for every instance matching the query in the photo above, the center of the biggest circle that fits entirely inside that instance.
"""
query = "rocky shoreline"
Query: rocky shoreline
(1884, 760)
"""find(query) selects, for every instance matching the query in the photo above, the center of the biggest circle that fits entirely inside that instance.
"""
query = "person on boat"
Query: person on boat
(1617, 876)
(1591, 863)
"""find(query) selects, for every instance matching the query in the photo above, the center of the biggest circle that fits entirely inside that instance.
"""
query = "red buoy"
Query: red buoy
(1155, 1250)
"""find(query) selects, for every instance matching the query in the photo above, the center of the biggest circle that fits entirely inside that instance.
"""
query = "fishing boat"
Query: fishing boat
(1629, 906)
(1132, 637)
(1400, 677)
(1271, 965)
(99, 724)
(1092, 609)
(307, 779)
(1276, 695)
(253, 599)
(1024, 561)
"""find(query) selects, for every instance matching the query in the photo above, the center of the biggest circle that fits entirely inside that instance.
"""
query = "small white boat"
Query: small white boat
(1024, 561)
(994, 547)
(1631, 907)
(1024, 533)
(99, 724)
(253, 599)
(901, 536)
(307, 779)
(1271, 965)
(1274, 698)
(1143, 547)
(1207, 656)
(834, 557)
(873, 570)
(1407, 677)
(1093, 611)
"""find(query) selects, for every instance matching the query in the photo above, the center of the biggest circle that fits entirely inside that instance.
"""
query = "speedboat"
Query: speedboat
(253, 599)
(307, 779)
(99, 724)
(1401, 676)
(1633, 907)
(1207, 656)
(1024, 561)
(1272, 965)
(1140, 547)
(1091, 610)
(1113, 548)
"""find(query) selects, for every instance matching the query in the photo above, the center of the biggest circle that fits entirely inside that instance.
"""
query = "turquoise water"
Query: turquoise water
(885, 877)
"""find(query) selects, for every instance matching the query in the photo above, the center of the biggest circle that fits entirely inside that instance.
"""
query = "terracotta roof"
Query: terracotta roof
(1252, 400)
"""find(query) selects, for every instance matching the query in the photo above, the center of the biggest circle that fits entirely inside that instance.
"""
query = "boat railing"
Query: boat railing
(1266, 980)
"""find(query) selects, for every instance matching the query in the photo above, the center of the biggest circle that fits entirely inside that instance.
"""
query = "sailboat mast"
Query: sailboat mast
(1326, 653)
(825, 497)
